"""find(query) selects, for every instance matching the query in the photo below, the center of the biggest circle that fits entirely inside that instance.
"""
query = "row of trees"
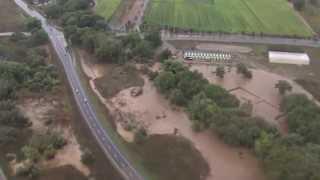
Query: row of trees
(11, 121)
(294, 156)
(303, 117)
(43, 146)
(40, 147)
(288, 157)
(22, 66)
(209, 106)
(90, 31)
(31, 74)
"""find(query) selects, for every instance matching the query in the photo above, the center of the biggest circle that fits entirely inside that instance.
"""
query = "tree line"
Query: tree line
(293, 156)
(208, 105)
(87, 30)
(23, 67)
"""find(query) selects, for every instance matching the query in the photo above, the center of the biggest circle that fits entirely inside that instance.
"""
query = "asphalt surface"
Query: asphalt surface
(238, 38)
(109, 148)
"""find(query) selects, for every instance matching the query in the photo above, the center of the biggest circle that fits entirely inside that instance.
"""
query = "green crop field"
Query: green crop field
(274, 17)
(106, 8)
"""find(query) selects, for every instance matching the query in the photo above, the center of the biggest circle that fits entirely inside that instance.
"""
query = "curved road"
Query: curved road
(111, 151)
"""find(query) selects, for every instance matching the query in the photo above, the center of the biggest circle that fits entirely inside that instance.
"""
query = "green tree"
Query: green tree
(7, 89)
(299, 4)
(87, 157)
(74, 5)
(283, 86)
(220, 71)
(165, 55)
(7, 134)
(202, 109)
(177, 97)
(39, 37)
(33, 24)
(243, 69)
(31, 153)
(221, 96)
(154, 38)
(143, 50)
(165, 81)
(140, 135)
(263, 144)
(53, 11)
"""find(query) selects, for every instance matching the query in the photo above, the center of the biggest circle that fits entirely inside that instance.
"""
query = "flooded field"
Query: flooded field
(154, 112)
(159, 117)
(260, 90)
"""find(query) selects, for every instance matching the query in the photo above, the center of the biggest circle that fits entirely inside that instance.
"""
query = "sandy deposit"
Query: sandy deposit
(38, 111)
(69, 155)
(155, 112)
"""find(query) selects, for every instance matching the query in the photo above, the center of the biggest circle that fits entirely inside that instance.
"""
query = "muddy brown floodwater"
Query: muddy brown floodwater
(155, 112)
(159, 117)
(260, 90)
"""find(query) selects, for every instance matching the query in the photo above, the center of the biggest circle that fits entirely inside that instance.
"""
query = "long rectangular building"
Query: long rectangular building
(289, 58)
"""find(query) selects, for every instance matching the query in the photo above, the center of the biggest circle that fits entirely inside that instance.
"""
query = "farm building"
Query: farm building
(212, 56)
(289, 58)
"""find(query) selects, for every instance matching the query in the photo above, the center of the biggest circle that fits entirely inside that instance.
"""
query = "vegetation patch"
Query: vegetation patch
(297, 152)
(62, 173)
(312, 86)
(310, 10)
(117, 78)
(172, 157)
(106, 8)
(209, 106)
(247, 16)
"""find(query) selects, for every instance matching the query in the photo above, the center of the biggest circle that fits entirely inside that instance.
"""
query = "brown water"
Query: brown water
(260, 90)
(158, 116)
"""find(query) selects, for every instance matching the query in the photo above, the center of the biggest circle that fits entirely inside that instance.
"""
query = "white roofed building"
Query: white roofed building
(289, 58)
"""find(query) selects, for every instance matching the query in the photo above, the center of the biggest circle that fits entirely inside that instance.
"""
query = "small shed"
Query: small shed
(289, 58)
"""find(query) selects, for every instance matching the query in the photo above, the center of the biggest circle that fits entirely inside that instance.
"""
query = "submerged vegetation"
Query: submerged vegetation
(24, 67)
(210, 106)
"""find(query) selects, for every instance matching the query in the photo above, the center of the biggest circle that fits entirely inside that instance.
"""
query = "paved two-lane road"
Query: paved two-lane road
(109, 148)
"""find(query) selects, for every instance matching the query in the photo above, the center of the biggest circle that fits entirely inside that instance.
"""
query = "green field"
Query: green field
(106, 8)
(267, 16)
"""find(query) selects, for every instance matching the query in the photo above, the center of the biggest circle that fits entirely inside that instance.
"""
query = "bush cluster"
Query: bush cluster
(209, 105)
(90, 31)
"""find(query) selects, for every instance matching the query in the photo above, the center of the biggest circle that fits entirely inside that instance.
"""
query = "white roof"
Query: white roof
(288, 57)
